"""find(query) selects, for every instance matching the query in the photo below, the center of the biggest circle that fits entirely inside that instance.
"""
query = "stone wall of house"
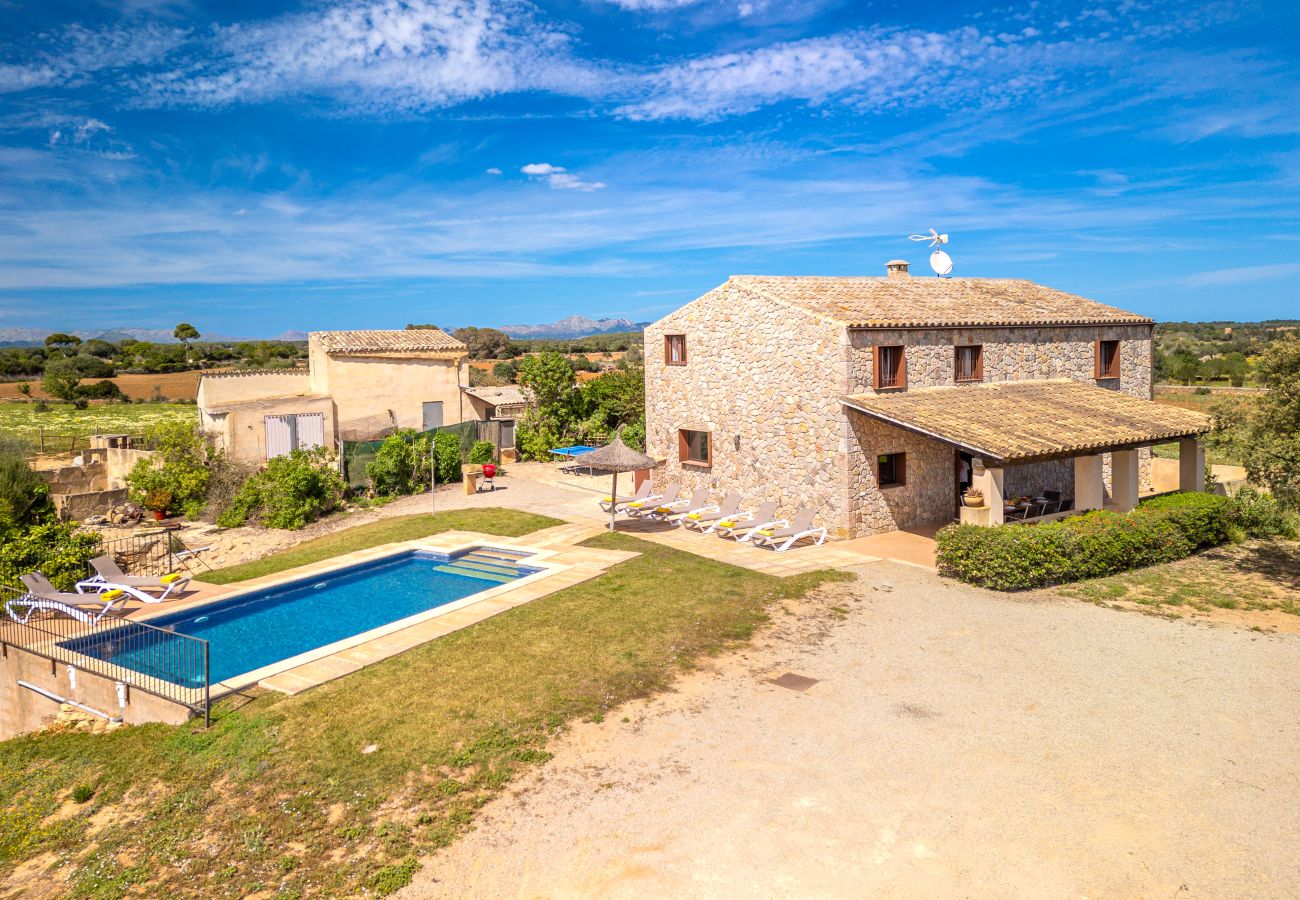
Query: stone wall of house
(928, 494)
(765, 382)
(1031, 479)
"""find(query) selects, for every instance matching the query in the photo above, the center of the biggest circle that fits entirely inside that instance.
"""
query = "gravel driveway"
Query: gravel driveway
(958, 744)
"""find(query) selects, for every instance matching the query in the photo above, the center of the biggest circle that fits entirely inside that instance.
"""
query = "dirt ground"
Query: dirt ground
(958, 743)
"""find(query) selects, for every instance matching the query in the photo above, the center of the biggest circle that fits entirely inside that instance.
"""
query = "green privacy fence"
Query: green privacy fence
(357, 455)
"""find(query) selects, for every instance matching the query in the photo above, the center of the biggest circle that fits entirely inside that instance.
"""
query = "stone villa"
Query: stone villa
(871, 400)
(359, 385)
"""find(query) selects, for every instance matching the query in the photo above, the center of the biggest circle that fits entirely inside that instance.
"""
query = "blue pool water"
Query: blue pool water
(263, 627)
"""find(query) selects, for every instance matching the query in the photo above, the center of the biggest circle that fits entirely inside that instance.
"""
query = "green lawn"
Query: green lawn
(279, 797)
(62, 421)
(504, 522)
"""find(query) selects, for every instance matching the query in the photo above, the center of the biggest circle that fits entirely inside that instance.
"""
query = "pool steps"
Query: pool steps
(489, 565)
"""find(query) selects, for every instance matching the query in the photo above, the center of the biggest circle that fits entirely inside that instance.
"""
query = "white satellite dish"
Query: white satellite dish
(940, 261)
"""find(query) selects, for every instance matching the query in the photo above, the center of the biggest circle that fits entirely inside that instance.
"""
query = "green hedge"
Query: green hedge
(1092, 545)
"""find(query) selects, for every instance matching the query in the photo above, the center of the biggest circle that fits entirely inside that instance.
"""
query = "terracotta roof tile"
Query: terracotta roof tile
(407, 340)
(508, 395)
(1016, 421)
(933, 302)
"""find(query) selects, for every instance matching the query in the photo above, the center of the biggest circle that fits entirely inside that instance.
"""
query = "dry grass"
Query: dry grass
(172, 385)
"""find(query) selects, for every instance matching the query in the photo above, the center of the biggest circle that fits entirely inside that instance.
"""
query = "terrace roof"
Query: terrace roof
(1021, 421)
(406, 340)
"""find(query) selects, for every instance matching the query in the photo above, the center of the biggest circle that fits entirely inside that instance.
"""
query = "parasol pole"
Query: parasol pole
(613, 506)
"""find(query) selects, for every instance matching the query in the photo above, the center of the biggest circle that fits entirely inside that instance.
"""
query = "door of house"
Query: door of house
(507, 434)
(432, 414)
(311, 430)
(294, 431)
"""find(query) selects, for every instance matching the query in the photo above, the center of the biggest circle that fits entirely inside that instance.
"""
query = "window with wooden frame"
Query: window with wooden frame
(891, 469)
(694, 448)
(1107, 359)
(968, 362)
(891, 368)
(674, 349)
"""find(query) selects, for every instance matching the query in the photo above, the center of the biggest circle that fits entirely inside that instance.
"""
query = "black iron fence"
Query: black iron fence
(151, 552)
(136, 655)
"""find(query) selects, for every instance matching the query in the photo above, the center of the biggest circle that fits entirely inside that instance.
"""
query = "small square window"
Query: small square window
(891, 368)
(1107, 359)
(969, 363)
(891, 469)
(695, 447)
(674, 349)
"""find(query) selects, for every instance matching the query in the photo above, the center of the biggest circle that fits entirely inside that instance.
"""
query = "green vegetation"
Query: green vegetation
(279, 791)
(1269, 435)
(482, 452)
(179, 470)
(60, 424)
(97, 358)
(564, 412)
(507, 523)
(54, 548)
(1214, 352)
(1096, 544)
(289, 492)
(24, 495)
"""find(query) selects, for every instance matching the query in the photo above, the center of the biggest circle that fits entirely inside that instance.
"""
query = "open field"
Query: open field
(1255, 584)
(281, 797)
(61, 423)
(171, 386)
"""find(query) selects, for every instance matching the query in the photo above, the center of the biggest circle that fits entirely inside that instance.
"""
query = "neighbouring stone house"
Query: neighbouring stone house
(359, 385)
(872, 400)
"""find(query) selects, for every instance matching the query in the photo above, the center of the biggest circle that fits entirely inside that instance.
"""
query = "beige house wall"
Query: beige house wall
(765, 381)
(242, 432)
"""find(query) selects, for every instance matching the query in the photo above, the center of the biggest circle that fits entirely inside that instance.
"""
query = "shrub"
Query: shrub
(182, 465)
(482, 452)
(24, 495)
(1093, 545)
(57, 549)
(290, 492)
(446, 449)
(100, 390)
(394, 466)
(534, 439)
(1259, 515)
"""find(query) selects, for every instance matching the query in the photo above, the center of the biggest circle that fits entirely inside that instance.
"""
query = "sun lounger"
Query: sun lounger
(706, 519)
(44, 597)
(745, 522)
(638, 508)
(798, 528)
(643, 493)
(107, 571)
(667, 512)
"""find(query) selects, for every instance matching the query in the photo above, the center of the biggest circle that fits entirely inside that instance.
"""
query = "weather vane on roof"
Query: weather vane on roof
(940, 261)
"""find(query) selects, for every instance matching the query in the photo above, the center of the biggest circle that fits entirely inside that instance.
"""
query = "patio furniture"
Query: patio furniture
(610, 504)
(107, 571)
(43, 596)
(1053, 499)
(747, 522)
(638, 508)
(618, 457)
(798, 528)
(707, 519)
(698, 501)
(570, 455)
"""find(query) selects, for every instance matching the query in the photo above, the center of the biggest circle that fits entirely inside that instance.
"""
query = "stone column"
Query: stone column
(1191, 464)
(990, 483)
(1089, 485)
(1124, 479)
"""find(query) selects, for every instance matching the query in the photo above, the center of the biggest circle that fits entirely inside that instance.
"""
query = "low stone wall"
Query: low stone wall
(23, 710)
(74, 507)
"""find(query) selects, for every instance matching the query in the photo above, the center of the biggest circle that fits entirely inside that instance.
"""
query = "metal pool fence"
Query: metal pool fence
(135, 655)
(144, 553)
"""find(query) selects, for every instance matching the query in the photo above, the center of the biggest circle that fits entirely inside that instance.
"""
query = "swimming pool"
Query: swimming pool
(256, 629)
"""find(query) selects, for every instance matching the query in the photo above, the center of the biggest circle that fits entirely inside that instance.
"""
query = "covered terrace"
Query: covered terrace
(1011, 426)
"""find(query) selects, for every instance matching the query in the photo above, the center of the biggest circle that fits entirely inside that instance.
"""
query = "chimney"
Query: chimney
(897, 268)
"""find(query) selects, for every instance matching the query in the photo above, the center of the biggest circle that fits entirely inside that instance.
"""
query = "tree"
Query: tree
(61, 379)
(1184, 365)
(185, 332)
(182, 466)
(550, 379)
(506, 370)
(24, 495)
(1272, 454)
(102, 349)
(484, 343)
(62, 342)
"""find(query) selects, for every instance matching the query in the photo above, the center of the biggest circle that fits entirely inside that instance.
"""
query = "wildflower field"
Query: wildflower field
(61, 422)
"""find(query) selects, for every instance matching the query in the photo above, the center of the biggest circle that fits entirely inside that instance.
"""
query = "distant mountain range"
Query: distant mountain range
(573, 327)
(26, 337)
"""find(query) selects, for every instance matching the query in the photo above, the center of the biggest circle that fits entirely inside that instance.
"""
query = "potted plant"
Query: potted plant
(157, 501)
(973, 497)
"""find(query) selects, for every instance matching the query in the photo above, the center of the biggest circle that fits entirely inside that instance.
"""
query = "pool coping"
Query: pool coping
(341, 657)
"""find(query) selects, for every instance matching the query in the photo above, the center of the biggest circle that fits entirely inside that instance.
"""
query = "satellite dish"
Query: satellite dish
(940, 261)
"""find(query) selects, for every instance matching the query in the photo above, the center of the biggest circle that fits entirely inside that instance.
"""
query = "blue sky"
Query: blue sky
(254, 167)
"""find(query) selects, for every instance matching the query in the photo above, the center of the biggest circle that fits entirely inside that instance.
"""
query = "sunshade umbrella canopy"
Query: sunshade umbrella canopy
(616, 457)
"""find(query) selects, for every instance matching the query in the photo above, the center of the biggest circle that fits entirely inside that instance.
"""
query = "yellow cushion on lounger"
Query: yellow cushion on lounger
(173, 577)
(607, 500)
(111, 595)
(637, 503)
(766, 532)
(727, 524)
(662, 509)
(692, 515)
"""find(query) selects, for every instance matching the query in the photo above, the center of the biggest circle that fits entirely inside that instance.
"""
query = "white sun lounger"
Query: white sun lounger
(638, 508)
(107, 571)
(643, 493)
(50, 599)
(747, 522)
(706, 519)
(798, 528)
(667, 512)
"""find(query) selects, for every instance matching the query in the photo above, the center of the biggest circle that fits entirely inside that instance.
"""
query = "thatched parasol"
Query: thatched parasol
(616, 457)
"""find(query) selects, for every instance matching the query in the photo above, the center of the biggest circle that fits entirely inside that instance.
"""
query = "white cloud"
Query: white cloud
(492, 171)
(653, 5)
(559, 178)
(1242, 275)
